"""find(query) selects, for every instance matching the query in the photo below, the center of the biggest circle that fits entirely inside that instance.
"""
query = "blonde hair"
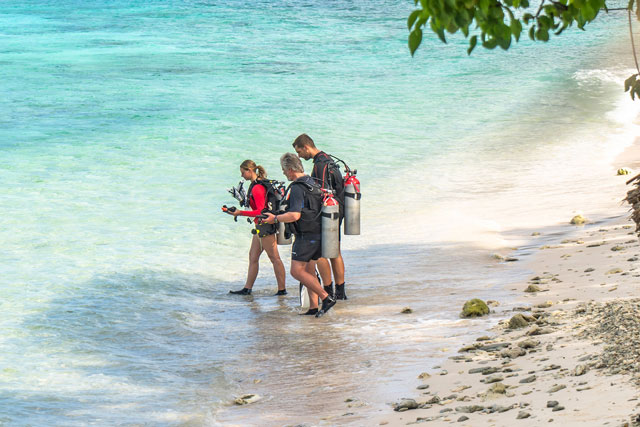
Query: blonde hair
(290, 161)
(250, 165)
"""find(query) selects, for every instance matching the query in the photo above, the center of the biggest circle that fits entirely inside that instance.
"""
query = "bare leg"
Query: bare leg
(325, 271)
(254, 261)
(299, 272)
(270, 246)
(313, 297)
(337, 265)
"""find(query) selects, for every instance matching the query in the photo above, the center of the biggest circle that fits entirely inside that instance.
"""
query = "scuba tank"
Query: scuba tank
(330, 227)
(352, 198)
(283, 236)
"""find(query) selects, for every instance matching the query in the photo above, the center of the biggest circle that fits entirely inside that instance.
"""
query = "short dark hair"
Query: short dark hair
(304, 140)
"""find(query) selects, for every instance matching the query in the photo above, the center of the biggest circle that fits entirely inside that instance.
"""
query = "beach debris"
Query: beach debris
(498, 388)
(578, 220)
(469, 409)
(589, 270)
(424, 376)
(423, 386)
(532, 288)
(404, 405)
(510, 259)
(617, 325)
(493, 347)
(483, 338)
(463, 418)
(486, 370)
(545, 304)
(513, 352)
(493, 379)
(246, 399)
(617, 248)
(535, 233)
(557, 387)
(433, 401)
(536, 330)
(580, 370)
(557, 408)
(528, 380)
(623, 171)
(528, 343)
(518, 321)
(474, 308)
(523, 415)
(407, 310)
(614, 271)
(632, 259)
(498, 257)
(552, 403)
(493, 303)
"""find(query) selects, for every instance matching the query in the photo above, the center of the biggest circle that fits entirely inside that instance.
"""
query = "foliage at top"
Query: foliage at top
(499, 22)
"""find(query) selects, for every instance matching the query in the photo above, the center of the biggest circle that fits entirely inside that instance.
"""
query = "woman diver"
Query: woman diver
(264, 235)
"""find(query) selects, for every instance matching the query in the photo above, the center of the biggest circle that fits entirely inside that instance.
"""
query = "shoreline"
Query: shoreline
(559, 364)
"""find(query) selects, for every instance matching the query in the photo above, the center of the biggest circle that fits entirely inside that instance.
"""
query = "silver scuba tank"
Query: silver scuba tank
(330, 228)
(352, 198)
(281, 235)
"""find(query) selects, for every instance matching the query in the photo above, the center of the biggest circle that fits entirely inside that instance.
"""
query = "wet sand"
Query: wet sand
(567, 353)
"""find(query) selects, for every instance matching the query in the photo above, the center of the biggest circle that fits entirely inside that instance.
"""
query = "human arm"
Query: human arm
(283, 217)
(257, 200)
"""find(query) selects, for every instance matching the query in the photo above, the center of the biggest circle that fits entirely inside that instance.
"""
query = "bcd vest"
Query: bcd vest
(310, 221)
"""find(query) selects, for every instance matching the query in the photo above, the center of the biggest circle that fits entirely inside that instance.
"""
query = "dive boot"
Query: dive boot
(327, 303)
(243, 291)
(310, 312)
(280, 292)
(340, 292)
(329, 290)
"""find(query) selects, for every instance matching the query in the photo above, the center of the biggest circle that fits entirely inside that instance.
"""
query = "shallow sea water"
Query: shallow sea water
(122, 125)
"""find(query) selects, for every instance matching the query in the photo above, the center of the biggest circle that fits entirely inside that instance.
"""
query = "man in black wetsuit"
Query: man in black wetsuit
(327, 174)
(304, 204)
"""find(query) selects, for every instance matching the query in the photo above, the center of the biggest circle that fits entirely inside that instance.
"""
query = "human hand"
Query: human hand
(269, 218)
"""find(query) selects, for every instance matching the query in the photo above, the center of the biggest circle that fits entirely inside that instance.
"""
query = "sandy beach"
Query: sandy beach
(567, 353)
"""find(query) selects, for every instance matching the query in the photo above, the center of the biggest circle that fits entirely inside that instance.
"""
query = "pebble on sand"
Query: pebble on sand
(518, 321)
(246, 399)
(578, 220)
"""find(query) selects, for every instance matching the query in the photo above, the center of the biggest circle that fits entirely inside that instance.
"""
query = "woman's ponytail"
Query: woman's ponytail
(261, 172)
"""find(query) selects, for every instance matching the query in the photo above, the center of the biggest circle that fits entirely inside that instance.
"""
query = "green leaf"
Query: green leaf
(516, 28)
(412, 18)
(472, 44)
(491, 43)
(564, 27)
(504, 43)
(532, 32)
(542, 34)
(628, 84)
(415, 38)
(438, 30)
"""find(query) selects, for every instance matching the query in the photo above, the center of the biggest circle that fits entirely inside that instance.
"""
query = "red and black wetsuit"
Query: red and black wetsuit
(257, 200)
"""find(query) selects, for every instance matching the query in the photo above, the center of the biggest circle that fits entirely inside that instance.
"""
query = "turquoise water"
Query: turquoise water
(122, 124)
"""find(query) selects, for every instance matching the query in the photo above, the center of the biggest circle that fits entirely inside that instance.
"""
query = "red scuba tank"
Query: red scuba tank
(352, 198)
(330, 227)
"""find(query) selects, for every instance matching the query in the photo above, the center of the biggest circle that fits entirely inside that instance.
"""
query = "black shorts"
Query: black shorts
(264, 230)
(306, 247)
